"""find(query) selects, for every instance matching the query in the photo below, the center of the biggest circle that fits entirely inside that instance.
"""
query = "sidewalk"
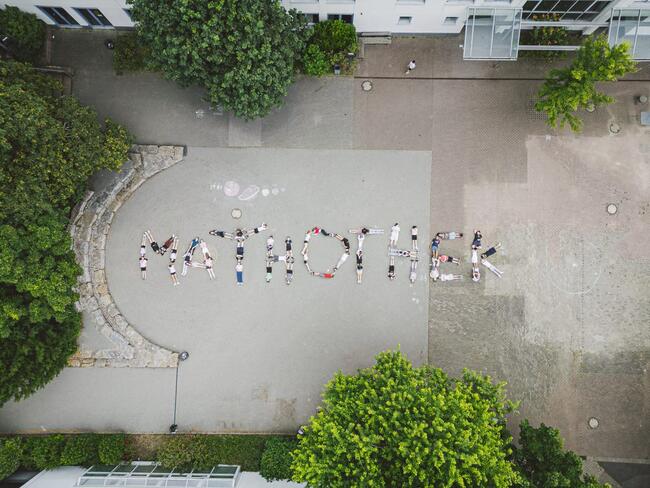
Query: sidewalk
(441, 57)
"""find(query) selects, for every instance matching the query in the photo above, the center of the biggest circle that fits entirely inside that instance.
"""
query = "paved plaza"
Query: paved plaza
(455, 147)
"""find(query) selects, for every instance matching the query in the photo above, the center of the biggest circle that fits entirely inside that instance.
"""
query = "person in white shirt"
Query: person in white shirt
(394, 235)
(172, 273)
(411, 67)
(476, 272)
(450, 277)
(143, 267)
(143, 245)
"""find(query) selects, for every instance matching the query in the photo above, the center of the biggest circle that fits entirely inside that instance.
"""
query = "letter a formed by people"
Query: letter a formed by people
(239, 236)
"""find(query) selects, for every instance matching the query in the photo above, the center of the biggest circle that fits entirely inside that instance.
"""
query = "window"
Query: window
(450, 20)
(584, 10)
(58, 15)
(94, 17)
(344, 17)
(404, 20)
(310, 18)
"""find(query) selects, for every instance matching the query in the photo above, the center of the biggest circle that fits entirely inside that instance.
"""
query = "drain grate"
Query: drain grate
(532, 113)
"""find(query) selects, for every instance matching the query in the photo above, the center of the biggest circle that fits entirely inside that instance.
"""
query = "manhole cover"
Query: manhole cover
(236, 213)
(612, 208)
(593, 423)
(614, 128)
(366, 85)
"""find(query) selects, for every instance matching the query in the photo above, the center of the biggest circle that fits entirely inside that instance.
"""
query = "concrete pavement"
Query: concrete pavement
(566, 326)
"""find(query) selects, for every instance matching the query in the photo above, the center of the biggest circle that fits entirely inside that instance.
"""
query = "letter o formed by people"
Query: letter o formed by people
(322, 232)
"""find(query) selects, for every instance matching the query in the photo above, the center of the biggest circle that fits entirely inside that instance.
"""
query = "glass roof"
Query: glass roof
(145, 474)
(492, 33)
(631, 26)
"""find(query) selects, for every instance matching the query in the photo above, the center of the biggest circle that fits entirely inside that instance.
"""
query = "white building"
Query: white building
(493, 24)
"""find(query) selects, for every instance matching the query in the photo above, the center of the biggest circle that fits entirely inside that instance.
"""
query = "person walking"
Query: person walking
(411, 67)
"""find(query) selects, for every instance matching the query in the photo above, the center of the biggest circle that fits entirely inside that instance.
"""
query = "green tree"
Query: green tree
(242, 51)
(545, 464)
(26, 33)
(569, 89)
(396, 425)
(49, 146)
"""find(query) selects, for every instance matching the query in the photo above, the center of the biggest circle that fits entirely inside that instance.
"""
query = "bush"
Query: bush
(334, 37)
(177, 452)
(130, 54)
(11, 451)
(315, 62)
(80, 450)
(45, 452)
(200, 452)
(545, 36)
(26, 33)
(329, 44)
(111, 448)
(276, 458)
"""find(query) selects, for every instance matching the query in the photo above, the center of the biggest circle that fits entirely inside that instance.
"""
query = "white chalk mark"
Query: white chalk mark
(275, 191)
(265, 192)
(249, 192)
(231, 188)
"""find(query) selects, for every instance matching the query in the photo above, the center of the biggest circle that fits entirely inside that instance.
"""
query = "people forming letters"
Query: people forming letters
(240, 235)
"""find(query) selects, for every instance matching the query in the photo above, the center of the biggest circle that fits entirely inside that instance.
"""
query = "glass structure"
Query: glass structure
(149, 474)
(633, 27)
(577, 10)
(492, 33)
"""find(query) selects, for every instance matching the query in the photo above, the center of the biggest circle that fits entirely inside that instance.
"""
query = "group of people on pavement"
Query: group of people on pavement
(172, 243)
(437, 259)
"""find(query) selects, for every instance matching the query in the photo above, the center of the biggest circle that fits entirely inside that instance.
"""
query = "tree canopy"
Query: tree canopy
(569, 89)
(396, 425)
(545, 464)
(242, 51)
(49, 145)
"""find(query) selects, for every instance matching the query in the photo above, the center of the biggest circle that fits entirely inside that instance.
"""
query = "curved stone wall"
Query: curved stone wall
(89, 227)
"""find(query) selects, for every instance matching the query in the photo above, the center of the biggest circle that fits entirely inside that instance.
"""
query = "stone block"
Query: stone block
(97, 259)
(99, 277)
(135, 339)
(74, 363)
(88, 363)
(104, 301)
(99, 319)
(91, 304)
(111, 311)
(100, 241)
(120, 323)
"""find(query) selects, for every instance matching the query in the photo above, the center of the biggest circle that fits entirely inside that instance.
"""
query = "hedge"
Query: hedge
(177, 451)
(276, 459)
(205, 451)
(11, 451)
